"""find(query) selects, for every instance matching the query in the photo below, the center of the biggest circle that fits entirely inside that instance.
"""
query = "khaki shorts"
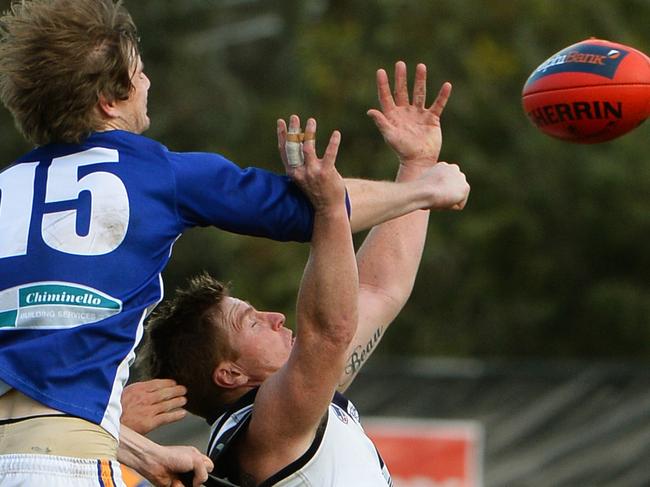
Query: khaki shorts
(57, 435)
(28, 427)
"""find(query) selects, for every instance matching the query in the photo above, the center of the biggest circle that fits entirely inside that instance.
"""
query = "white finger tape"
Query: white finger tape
(293, 149)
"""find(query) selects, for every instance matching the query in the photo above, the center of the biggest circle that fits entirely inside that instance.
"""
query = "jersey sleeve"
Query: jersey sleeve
(211, 190)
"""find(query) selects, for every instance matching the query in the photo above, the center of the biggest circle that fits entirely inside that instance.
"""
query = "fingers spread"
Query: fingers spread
(401, 88)
(441, 100)
(293, 145)
(294, 124)
(379, 118)
(386, 101)
(282, 140)
(332, 148)
(420, 86)
(282, 132)
(309, 138)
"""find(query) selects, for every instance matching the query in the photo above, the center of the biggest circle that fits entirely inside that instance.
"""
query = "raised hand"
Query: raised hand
(317, 177)
(410, 128)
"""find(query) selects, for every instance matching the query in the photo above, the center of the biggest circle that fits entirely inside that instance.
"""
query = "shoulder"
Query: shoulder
(123, 137)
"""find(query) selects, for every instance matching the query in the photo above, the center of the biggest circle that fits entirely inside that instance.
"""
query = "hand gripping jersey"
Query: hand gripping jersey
(85, 231)
(341, 455)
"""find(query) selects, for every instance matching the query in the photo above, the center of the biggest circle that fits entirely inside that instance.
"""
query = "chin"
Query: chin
(144, 127)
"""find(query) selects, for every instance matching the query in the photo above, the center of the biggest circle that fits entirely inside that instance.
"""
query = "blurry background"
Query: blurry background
(548, 260)
(530, 312)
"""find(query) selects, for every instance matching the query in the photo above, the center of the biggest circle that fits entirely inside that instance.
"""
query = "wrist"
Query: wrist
(332, 213)
(411, 172)
(418, 161)
(330, 206)
(138, 452)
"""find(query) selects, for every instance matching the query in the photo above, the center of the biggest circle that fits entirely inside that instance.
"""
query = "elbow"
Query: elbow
(339, 331)
(348, 329)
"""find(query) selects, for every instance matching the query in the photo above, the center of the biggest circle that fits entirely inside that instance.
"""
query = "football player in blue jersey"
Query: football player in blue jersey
(87, 222)
(274, 400)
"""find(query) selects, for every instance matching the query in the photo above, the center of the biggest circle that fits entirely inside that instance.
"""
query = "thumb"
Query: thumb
(379, 118)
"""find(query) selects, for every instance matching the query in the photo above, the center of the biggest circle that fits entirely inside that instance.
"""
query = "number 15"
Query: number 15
(109, 214)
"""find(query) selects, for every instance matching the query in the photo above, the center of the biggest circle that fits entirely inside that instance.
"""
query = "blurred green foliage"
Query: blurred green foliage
(549, 257)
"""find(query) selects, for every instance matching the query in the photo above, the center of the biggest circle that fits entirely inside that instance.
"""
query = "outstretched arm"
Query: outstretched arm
(390, 256)
(413, 131)
(326, 322)
(388, 261)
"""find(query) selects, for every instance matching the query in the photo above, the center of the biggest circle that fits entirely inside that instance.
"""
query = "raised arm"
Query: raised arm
(388, 261)
(390, 256)
(291, 403)
(413, 131)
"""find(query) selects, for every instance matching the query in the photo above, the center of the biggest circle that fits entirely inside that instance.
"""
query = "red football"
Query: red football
(589, 92)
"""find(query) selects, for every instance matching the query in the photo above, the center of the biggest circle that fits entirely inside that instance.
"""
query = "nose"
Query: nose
(277, 320)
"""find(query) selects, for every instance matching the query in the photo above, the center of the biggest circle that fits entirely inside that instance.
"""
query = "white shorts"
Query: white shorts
(21, 470)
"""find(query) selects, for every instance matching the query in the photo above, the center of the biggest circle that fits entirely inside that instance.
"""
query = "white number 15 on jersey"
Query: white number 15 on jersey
(109, 214)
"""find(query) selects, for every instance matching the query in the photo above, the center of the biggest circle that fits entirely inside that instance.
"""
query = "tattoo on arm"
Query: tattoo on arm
(361, 353)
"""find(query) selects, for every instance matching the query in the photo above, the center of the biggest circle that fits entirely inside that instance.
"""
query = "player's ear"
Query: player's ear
(107, 108)
(228, 375)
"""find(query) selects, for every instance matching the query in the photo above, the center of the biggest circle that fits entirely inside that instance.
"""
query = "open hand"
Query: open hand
(412, 130)
(150, 404)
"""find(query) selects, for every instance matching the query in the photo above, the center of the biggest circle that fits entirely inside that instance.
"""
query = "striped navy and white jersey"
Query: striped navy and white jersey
(341, 455)
(85, 232)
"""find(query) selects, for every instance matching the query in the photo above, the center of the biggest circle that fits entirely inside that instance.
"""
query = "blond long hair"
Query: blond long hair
(57, 57)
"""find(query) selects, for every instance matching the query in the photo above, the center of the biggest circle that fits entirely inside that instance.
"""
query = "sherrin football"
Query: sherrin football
(589, 92)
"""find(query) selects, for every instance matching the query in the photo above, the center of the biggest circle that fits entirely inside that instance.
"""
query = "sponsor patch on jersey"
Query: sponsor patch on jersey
(50, 305)
(587, 58)
(340, 414)
(352, 411)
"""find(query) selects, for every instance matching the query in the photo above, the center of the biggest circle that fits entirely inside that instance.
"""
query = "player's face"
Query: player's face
(134, 109)
(260, 338)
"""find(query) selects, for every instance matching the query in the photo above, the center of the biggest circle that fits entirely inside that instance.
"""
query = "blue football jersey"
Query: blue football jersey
(85, 232)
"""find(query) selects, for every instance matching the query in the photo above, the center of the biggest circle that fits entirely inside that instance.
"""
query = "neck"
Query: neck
(226, 400)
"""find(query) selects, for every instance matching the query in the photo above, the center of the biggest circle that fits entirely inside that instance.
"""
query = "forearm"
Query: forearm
(137, 452)
(390, 256)
(374, 202)
(328, 295)
(162, 465)
(388, 262)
